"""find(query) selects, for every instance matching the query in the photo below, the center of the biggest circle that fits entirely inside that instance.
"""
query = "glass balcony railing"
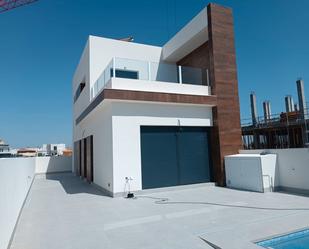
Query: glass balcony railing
(151, 71)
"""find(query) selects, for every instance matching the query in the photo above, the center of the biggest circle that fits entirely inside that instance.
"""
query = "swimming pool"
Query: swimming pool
(297, 240)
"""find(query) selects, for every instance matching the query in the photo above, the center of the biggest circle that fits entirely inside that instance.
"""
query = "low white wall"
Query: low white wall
(16, 176)
(293, 165)
(244, 172)
(252, 172)
(270, 172)
(53, 164)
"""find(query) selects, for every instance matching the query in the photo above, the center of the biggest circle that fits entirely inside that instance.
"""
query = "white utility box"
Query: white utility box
(252, 172)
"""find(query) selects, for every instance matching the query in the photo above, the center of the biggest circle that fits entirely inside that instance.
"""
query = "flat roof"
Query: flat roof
(190, 37)
(62, 211)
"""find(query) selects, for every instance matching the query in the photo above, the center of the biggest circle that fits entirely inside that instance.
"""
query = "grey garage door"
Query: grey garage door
(174, 156)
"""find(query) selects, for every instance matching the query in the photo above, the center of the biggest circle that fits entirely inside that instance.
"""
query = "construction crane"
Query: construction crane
(6, 5)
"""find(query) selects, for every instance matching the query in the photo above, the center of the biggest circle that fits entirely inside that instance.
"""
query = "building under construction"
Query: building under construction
(289, 129)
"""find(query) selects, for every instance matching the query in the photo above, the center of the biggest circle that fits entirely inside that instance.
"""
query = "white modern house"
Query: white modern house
(53, 149)
(159, 116)
(4, 149)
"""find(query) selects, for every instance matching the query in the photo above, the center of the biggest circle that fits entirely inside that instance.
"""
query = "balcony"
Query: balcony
(152, 76)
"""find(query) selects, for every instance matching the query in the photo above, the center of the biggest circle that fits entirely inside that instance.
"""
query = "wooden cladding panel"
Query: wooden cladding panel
(226, 138)
(89, 158)
(218, 56)
(158, 97)
(77, 158)
(83, 158)
(197, 58)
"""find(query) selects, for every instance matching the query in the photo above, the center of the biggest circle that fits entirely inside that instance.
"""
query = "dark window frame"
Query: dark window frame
(120, 73)
(79, 90)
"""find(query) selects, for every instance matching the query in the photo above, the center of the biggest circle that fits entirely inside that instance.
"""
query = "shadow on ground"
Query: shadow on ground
(73, 184)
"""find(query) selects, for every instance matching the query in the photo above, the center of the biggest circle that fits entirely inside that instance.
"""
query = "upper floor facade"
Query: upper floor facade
(115, 64)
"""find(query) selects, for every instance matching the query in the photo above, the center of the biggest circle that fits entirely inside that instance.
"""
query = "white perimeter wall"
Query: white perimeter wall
(251, 172)
(16, 175)
(53, 164)
(15, 180)
(293, 167)
(127, 118)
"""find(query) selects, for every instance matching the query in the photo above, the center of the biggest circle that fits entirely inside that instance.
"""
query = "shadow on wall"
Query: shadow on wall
(45, 165)
(74, 184)
(276, 177)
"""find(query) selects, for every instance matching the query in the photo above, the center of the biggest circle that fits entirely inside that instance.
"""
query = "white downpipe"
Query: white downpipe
(180, 74)
(114, 67)
(149, 70)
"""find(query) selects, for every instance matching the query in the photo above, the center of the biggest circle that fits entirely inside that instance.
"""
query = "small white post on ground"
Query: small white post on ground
(128, 183)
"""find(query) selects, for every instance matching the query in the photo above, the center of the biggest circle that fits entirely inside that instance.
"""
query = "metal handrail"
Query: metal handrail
(295, 117)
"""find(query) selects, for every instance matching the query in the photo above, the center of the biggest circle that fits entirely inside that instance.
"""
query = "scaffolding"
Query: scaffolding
(278, 131)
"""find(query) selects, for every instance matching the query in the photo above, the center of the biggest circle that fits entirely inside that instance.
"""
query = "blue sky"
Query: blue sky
(41, 44)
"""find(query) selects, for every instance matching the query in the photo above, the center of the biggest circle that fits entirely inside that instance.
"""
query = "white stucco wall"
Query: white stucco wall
(293, 167)
(16, 175)
(115, 126)
(127, 118)
(98, 53)
(81, 74)
(99, 124)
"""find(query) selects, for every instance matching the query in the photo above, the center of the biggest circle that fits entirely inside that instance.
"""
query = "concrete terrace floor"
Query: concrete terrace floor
(62, 211)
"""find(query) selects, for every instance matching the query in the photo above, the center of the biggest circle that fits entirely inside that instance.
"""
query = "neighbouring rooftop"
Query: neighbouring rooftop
(62, 211)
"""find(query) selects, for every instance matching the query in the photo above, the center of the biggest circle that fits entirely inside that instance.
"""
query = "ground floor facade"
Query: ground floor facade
(144, 145)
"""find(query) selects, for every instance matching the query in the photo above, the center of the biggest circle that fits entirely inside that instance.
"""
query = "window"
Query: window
(79, 90)
(127, 74)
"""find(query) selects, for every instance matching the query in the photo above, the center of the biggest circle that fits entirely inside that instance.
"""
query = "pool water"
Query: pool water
(297, 240)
